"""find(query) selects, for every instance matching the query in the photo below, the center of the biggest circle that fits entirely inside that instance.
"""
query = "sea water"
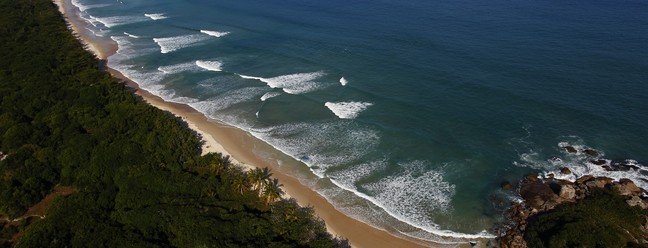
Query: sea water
(412, 112)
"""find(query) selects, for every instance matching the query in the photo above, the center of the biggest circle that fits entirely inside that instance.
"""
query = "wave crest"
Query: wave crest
(347, 110)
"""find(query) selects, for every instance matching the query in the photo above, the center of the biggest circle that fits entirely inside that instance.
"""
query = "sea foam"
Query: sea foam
(269, 95)
(132, 35)
(210, 65)
(579, 163)
(156, 16)
(214, 33)
(113, 21)
(83, 7)
(177, 68)
(292, 84)
(343, 81)
(347, 110)
(171, 44)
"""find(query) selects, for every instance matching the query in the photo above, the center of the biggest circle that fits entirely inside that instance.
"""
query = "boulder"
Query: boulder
(584, 179)
(637, 201)
(565, 170)
(506, 185)
(598, 161)
(598, 182)
(591, 152)
(623, 166)
(539, 196)
(532, 178)
(627, 187)
(567, 192)
(570, 149)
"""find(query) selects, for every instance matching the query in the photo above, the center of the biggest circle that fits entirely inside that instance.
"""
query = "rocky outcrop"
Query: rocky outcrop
(541, 195)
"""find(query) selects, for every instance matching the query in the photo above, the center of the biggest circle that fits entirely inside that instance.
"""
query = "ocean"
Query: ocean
(406, 115)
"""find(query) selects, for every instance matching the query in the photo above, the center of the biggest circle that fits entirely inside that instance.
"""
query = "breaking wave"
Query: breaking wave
(214, 33)
(210, 65)
(292, 84)
(156, 16)
(347, 110)
(171, 44)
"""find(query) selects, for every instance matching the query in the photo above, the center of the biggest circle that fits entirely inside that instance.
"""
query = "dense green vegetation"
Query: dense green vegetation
(139, 176)
(603, 219)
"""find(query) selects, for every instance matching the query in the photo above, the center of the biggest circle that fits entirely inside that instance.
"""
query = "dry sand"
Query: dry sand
(240, 146)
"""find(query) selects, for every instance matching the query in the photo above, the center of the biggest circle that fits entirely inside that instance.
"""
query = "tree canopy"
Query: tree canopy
(139, 177)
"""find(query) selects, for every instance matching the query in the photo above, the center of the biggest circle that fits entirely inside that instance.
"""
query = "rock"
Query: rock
(570, 149)
(623, 166)
(591, 152)
(598, 161)
(567, 192)
(627, 187)
(598, 182)
(550, 176)
(637, 201)
(584, 179)
(538, 196)
(565, 171)
(532, 178)
(506, 185)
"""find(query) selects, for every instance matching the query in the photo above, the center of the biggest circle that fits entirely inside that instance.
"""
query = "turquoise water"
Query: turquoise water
(414, 110)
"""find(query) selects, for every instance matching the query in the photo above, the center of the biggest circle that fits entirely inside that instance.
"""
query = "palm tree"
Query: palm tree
(216, 167)
(240, 183)
(272, 191)
(259, 177)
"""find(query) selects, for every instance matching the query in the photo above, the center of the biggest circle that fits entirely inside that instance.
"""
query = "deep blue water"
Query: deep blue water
(443, 99)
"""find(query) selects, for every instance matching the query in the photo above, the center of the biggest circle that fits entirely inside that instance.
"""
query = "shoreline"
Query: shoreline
(240, 146)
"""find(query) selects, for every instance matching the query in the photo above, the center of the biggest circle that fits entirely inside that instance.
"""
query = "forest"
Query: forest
(135, 175)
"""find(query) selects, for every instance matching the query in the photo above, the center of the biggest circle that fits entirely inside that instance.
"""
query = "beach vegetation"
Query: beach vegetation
(137, 172)
(603, 219)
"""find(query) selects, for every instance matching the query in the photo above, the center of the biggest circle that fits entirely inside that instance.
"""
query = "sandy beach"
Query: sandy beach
(241, 147)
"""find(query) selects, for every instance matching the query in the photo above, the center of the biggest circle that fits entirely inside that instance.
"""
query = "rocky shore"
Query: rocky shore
(541, 195)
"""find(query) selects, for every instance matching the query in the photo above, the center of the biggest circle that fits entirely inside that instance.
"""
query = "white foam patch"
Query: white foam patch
(132, 35)
(156, 16)
(126, 49)
(83, 7)
(90, 19)
(100, 33)
(320, 145)
(211, 106)
(408, 196)
(210, 65)
(343, 81)
(580, 164)
(214, 33)
(114, 21)
(177, 68)
(347, 110)
(171, 44)
(347, 178)
(292, 84)
(269, 95)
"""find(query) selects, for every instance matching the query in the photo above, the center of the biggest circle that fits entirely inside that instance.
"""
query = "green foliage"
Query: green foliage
(603, 219)
(139, 176)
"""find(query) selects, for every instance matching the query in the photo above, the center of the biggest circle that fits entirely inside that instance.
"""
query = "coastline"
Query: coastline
(240, 146)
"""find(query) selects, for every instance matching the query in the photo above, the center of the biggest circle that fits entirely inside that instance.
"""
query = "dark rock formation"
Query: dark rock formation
(565, 171)
(543, 195)
(506, 185)
(591, 152)
(570, 149)
(598, 161)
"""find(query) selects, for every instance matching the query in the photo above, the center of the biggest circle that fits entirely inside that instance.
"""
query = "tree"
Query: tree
(272, 191)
